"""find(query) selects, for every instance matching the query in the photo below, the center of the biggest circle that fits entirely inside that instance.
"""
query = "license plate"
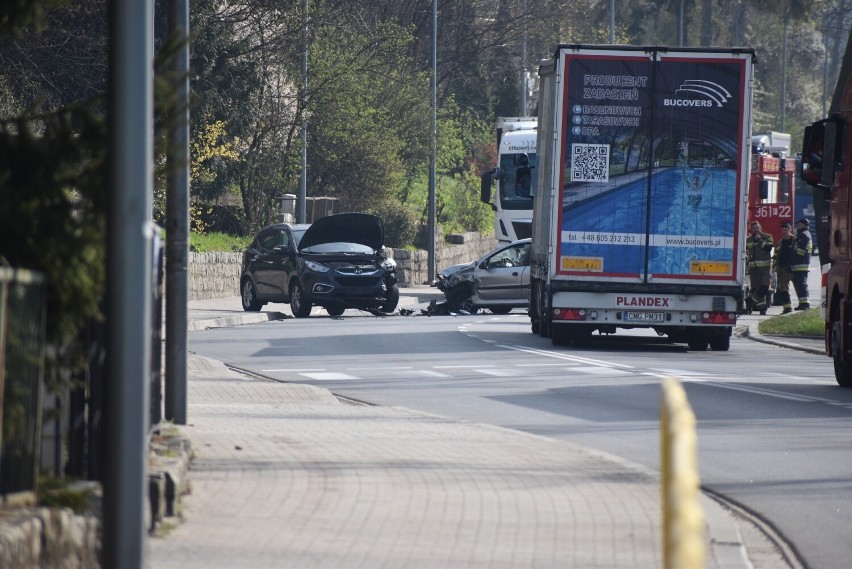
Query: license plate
(644, 317)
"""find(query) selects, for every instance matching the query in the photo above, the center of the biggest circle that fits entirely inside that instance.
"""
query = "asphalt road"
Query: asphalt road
(772, 424)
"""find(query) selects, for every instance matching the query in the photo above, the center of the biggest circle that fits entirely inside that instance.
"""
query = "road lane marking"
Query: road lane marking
(376, 368)
(329, 376)
(498, 372)
(294, 370)
(567, 357)
(430, 373)
(548, 364)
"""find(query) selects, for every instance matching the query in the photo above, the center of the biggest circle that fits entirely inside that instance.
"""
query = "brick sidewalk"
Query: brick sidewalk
(288, 476)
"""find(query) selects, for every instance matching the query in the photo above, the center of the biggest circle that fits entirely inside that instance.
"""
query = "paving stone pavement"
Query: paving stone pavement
(289, 476)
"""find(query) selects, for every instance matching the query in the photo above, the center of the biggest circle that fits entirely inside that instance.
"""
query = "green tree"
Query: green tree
(52, 164)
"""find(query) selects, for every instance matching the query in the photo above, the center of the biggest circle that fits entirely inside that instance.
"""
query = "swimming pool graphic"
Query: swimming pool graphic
(606, 233)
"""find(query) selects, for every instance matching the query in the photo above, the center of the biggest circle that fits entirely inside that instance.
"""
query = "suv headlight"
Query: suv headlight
(316, 267)
(389, 264)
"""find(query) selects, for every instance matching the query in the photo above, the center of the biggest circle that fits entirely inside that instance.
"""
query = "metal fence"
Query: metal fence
(22, 349)
(86, 400)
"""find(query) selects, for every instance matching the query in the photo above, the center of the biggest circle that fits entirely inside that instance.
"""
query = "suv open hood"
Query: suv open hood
(361, 228)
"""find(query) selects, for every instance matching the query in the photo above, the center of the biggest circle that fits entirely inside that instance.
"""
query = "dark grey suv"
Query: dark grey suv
(338, 262)
(268, 265)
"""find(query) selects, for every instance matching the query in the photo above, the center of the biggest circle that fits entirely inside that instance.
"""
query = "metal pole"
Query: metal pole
(680, 25)
(825, 76)
(177, 226)
(434, 140)
(524, 66)
(784, 77)
(128, 261)
(301, 209)
(612, 21)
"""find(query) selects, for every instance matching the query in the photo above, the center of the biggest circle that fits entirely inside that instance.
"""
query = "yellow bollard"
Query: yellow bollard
(683, 517)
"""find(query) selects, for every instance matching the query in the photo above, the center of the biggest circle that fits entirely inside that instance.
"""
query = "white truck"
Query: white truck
(640, 207)
(515, 175)
(771, 142)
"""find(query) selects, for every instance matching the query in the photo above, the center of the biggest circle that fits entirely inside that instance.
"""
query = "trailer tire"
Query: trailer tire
(842, 366)
(720, 344)
(535, 321)
(560, 335)
(543, 310)
(698, 343)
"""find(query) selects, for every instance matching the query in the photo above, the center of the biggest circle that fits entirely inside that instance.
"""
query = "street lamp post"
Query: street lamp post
(433, 141)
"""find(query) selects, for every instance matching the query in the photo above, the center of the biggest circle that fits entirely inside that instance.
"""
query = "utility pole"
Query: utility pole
(524, 66)
(612, 21)
(434, 143)
(784, 76)
(130, 161)
(301, 202)
(177, 226)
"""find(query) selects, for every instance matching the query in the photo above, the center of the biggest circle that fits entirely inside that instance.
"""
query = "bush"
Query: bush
(399, 221)
(461, 208)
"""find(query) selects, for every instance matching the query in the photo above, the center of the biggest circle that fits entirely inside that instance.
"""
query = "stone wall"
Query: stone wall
(48, 538)
(413, 266)
(216, 275)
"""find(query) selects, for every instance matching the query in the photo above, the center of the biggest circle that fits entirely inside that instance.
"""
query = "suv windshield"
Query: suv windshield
(338, 247)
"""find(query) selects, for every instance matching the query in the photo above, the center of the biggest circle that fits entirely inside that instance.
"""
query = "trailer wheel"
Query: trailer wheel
(543, 309)
(842, 367)
(698, 343)
(722, 344)
(576, 334)
(532, 309)
(560, 335)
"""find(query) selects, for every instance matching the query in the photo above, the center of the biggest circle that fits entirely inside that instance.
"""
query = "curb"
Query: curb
(235, 320)
(775, 341)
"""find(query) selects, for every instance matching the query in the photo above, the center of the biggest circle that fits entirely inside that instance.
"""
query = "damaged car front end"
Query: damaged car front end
(499, 281)
(342, 264)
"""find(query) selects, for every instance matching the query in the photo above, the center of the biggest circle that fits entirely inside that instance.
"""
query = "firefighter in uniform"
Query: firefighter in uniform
(759, 258)
(800, 263)
(781, 265)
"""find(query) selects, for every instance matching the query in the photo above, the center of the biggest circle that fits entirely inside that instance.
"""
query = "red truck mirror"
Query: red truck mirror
(819, 153)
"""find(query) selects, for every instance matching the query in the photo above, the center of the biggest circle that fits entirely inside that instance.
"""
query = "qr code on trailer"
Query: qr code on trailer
(590, 162)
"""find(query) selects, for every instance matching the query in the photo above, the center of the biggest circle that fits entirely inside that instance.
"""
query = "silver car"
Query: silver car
(499, 281)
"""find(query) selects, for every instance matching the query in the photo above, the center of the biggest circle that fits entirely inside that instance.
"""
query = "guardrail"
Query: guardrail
(683, 517)
(22, 349)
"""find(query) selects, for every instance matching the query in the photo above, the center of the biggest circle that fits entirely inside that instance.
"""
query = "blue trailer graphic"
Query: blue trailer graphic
(669, 208)
(685, 225)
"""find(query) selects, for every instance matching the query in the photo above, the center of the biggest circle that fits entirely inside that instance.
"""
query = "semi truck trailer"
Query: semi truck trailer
(640, 205)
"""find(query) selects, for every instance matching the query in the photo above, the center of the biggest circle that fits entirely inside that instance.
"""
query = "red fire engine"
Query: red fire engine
(827, 166)
(771, 196)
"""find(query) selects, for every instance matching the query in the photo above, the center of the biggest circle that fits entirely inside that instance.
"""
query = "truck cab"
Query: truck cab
(826, 153)
(515, 177)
